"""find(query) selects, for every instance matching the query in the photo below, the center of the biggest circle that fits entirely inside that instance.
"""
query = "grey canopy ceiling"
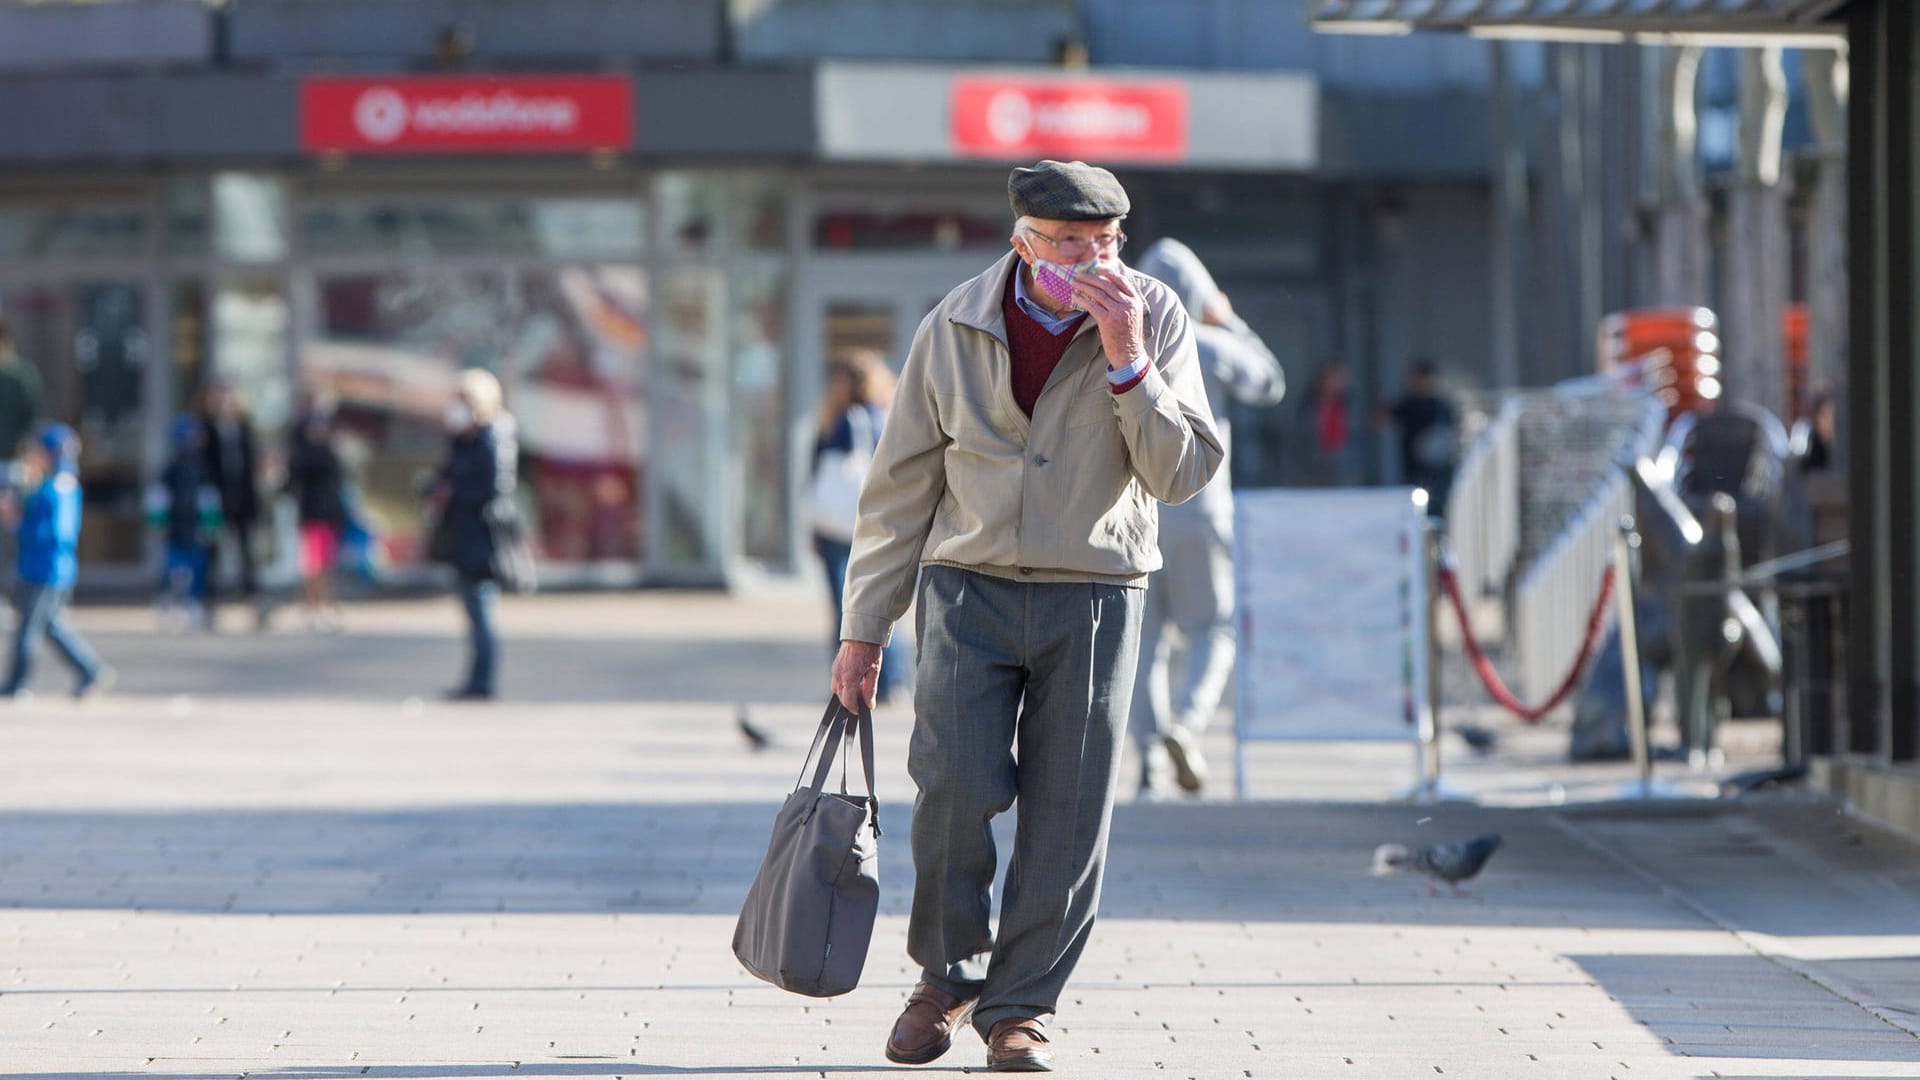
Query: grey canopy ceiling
(1711, 17)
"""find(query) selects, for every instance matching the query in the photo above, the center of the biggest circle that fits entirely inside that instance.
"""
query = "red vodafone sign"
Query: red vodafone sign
(1115, 119)
(463, 114)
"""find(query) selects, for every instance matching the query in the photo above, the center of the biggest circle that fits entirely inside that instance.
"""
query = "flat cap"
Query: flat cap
(1066, 191)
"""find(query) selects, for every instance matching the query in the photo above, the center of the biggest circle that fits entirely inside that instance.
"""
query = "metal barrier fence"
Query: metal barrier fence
(1483, 507)
(1560, 583)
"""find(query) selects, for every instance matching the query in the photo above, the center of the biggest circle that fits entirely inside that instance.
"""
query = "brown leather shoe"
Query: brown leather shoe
(925, 1028)
(1018, 1044)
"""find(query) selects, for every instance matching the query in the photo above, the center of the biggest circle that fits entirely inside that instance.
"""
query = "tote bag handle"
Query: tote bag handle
(826, 743)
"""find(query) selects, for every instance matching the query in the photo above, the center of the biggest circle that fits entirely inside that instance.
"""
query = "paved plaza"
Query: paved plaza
(275, 856)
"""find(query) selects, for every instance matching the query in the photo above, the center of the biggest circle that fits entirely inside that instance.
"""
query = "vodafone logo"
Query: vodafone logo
(1143, 119)
(383, 115)
(380, 116)
(1010, 116)
(460, 114)
(1014, 118)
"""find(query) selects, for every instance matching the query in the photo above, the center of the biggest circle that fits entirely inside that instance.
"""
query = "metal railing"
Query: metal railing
(1483, 506)
(1562, 581)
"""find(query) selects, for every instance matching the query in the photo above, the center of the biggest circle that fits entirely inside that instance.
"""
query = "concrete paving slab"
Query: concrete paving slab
(301, 884)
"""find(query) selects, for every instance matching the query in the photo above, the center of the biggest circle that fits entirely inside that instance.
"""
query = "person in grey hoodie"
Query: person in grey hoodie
(1193, 592)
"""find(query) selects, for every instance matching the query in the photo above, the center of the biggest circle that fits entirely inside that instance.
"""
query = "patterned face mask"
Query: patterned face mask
(1056, 280)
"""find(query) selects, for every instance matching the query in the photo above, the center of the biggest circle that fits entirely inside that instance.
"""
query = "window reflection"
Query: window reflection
(566, 342)
(759, 407)
(89, 341)
(575, 388)
(686, 412)
(586, 228)
(71, 232)
(689, 211)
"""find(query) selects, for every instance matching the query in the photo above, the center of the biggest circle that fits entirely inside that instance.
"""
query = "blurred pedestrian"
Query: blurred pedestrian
(47, 531)
(184, 506)
(233, 468)
(1323, 450)
(317, 482)
(1046, 408)
(479, 474)
(22, 401)
(1821, 432)
(1192, 592)
(859, 391)
(22, 396)
(1429, 436)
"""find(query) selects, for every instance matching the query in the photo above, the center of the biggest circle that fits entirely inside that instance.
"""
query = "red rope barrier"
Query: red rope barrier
(1498, 688)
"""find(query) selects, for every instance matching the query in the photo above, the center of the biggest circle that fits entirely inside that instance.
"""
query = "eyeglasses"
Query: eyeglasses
(1073, 249)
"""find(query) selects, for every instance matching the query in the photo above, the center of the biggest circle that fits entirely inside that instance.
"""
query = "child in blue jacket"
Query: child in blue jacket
(48, 524)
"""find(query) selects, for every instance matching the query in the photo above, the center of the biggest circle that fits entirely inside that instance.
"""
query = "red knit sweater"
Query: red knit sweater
(1035, 351)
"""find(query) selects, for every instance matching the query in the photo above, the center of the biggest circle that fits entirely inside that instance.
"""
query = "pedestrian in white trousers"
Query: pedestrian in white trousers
(1191, 598)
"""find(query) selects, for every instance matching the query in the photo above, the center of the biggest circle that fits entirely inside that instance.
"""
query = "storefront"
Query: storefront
(659, 297)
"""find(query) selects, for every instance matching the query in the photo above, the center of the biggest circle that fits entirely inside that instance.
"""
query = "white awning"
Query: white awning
(1707, 21)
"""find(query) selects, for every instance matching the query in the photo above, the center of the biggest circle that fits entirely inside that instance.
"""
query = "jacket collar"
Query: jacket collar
(977, 303)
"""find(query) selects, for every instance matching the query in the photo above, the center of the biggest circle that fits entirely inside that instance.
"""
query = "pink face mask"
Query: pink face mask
(1056, 280)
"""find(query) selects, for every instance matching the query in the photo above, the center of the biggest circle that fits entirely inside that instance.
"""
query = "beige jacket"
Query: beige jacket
(963, 478)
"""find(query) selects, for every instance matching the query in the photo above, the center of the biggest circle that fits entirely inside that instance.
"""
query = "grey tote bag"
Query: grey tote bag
(809, 915)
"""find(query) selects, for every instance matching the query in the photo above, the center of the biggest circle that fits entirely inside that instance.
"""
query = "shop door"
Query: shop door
(89, 342)
(871, 301)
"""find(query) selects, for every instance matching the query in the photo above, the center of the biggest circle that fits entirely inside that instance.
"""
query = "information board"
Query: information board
(1332, 595)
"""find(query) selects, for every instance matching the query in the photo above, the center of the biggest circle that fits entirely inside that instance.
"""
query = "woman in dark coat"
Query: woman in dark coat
(482, 457)
(317, 482)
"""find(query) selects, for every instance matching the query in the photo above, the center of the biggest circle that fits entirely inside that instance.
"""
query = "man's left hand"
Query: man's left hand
(1119, 311)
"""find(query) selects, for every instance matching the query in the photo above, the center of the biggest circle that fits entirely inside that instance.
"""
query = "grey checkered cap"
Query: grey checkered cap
(1066, 191)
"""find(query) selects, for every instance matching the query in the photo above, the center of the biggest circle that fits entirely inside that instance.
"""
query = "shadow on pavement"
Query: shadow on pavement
(528, 1071)
(1229, 862)
(1727, 1006)
(390, 667)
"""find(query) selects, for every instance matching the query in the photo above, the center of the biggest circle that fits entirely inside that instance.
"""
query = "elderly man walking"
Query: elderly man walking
(1046, 409)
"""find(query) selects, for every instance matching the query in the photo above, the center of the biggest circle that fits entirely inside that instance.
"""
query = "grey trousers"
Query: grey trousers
(1192, 593)
(1021, 692)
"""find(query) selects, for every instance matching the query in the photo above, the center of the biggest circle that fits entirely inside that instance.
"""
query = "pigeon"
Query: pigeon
(1452, 863)
(1478, 739)
(757, 739)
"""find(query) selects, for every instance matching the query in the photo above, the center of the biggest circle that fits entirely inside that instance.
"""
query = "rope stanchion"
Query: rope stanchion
(1497, 687)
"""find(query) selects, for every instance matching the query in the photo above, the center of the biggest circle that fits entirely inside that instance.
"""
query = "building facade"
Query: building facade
(657, 222)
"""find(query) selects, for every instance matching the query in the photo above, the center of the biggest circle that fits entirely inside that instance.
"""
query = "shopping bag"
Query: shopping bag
(808, 917)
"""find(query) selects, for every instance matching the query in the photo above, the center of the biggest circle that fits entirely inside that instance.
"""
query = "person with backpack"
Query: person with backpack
(859, 391)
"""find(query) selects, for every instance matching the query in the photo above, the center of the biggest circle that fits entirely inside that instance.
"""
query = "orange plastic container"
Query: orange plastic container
(1677, 349)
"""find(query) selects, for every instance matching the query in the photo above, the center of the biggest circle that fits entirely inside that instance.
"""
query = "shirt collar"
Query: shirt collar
(1054, 324)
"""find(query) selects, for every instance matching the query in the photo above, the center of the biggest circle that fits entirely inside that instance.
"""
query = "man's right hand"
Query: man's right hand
(856, 674)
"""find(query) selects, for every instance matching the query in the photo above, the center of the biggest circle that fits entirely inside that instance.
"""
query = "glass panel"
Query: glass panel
(909, 230)
(587, 228)
(759, 408)
(387, 350)
(576, 392)
(689, 403)
(89, 342)
(760, 214)
(189, 222)
(858, 324)
(249, 216)
(250, 322)
(71, 232)
(188, 348)
(690, 205)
